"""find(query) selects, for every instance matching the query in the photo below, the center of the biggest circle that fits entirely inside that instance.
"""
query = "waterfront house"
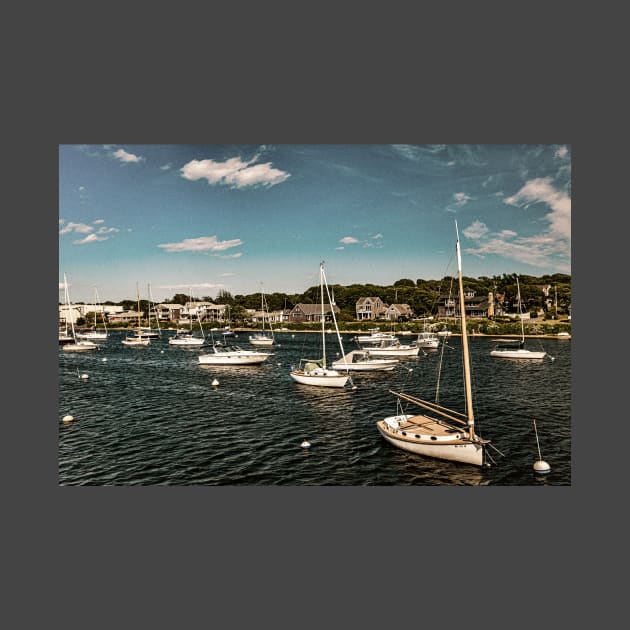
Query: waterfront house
(398, 312)
(370, 308)
(311, 312)
(476, 306)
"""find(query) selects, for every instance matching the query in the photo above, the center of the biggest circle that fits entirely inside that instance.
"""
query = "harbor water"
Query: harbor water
(151, 416)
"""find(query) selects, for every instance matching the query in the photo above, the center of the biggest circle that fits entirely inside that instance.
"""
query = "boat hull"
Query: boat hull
(131, 341)
(367, 366)
(320, 378)
(253, 358)
(261, 341)
(80, 346)
(518, 354)
(188, 343)
(92, 335)
(455, 450)
(394, 352)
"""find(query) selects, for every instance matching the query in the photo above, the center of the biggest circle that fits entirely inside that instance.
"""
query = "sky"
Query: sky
(157, 220)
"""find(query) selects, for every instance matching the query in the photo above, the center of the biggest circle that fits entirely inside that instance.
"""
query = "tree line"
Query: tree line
(421, 295)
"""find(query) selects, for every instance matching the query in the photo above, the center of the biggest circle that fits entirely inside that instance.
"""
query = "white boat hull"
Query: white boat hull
(411, 351)
(362, 361)
(187, 342)
(79, 346)
(233, 358)
(366, 366)
(320, 377)
(518, 354)
(92, 335)
(132, 341)
(451, 449)
(261, 341)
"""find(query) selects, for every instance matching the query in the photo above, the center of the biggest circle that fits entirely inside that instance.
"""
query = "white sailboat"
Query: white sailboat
(137, 340)
(187, 339)
(262, 338)
(389, 348)
(147, 331)
(439, 432)
(363, 361)
(314, 371)
(427, 338)
(96, 334)
(511, 349)
(77, 345)
(230, 354)
(374, 337)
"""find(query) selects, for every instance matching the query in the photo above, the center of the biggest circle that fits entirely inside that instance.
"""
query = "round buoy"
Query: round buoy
(215, 382)
(161, 351)
(68, 418)
(541, 467)
(85, 376)
(104, 359)
(305, 444)
(354, 387)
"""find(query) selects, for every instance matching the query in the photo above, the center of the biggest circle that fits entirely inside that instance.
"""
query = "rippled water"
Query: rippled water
(150, 416)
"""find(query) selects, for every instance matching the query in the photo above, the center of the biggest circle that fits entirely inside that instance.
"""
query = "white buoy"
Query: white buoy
(305, 444)
(104, 359)
(84, 377)
(540, 466)
(161, 351)
(67, 418)
(215, 383)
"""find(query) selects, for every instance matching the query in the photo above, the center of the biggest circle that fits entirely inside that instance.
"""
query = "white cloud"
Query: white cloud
(461, 198)
(80, 228)
(237, 255)
(549, 248)
(201, 244)
(82, 188)
(561, 152)
(340, 248)
(90, 238)
(476, 230)
(347, 240)
(540, 190)
(166, 167)
(234, 173)
(227, 274)
(379, 235)
(123, 156)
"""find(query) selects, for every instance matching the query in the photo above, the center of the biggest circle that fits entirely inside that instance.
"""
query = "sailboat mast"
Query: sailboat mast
(520, 310)
(321, 291)
(68, 314)
(467, 382)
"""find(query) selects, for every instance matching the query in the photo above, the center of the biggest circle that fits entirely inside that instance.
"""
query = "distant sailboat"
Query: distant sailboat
(187, 339)
(147, 331)
(96, 334)
(77, 345)
(137, 340)
(510, 349)
(262, 338)
(314, 371)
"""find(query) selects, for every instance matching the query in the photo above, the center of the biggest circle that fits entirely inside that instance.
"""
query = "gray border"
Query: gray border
(159, 556)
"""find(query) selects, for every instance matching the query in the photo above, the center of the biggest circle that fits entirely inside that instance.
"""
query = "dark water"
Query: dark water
(150, 416)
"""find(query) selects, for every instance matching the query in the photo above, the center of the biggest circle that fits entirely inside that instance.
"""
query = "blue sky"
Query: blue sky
(201, 218)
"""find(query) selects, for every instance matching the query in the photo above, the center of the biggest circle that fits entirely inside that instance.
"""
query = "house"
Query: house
(370, 308)
(476, 306)
(311, 313)
(125, 317)
(398, 312)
